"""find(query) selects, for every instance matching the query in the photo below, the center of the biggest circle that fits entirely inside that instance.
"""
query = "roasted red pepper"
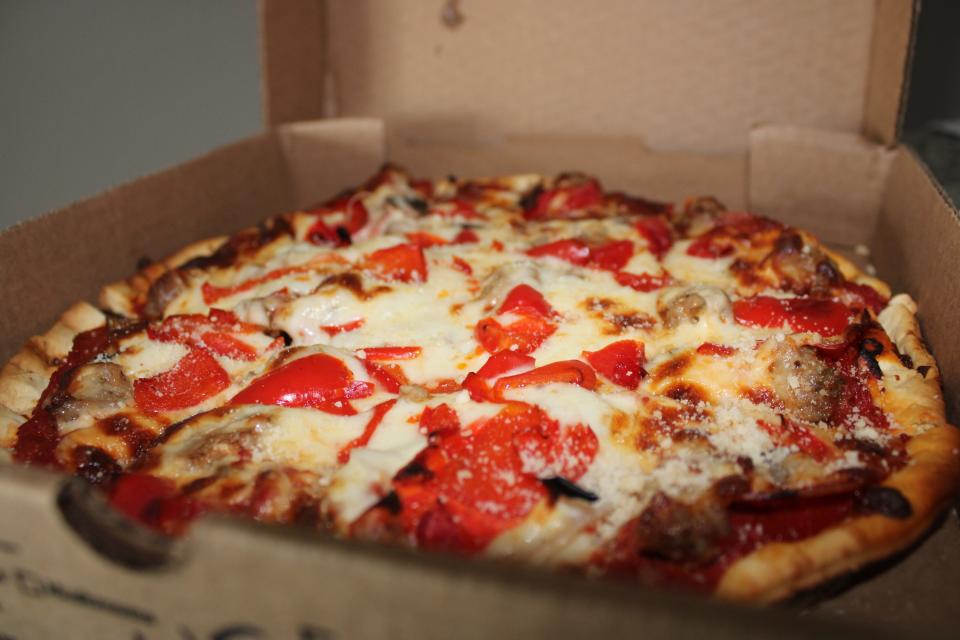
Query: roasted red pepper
(318, 380)
(403, 262)
(826, 317)
(196, 377)
(620, 362)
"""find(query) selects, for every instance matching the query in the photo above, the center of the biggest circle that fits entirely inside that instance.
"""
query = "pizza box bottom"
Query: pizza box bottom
(69, 568)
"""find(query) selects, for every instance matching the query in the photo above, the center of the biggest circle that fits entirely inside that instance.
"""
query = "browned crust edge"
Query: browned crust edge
(26, 375)
(121, 297)
(929, 482)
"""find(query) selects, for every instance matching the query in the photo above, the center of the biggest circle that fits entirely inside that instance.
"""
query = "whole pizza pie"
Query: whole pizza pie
(522, 367)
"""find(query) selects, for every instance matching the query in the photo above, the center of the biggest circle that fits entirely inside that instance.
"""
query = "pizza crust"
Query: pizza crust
(929, 482)
(121, 297)
(24, 378)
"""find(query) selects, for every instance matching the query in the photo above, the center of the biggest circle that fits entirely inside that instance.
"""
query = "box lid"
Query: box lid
(680, 74)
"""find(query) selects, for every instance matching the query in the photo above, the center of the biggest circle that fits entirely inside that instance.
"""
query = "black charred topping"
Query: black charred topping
(745, 463)
(287, 340)
(198, 485)
(869, 350)
(343, 235)
(560, 486)
(885, 501)
(905, 359)
(419, 204)
(923, 370)
(529, 199)
(788, 242)
(391, 503)
(95, 465)
(414, 470)
(730, 488)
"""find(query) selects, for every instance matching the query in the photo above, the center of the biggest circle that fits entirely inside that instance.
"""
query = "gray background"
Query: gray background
(96, 92)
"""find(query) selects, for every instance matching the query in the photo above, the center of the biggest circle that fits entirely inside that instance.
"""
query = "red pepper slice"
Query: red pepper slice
(403, 262)
(524, 299)
(334, 329)
(472, 484)
(708, 246)
(212, 332)
(866, 296)
(620, 362)
(656, 232)
(391, 353)
(390, 376)
(212, 293)
(425, 240)
(826, 317)
(196, 377)
(462, 265)
(612, 256)
(477, 383)
(466, 236)
(792, 433)
(379, 411)
(355, 218)
(711, 349)
(524, 335)
(574, 251)
(643, 282)
(456, 208)
(565, 371)
(317, 380)
(439, 419)
(154, 502)
(563, 201)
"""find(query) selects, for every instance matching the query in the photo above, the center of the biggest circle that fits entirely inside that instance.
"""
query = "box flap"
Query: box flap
(679, 75)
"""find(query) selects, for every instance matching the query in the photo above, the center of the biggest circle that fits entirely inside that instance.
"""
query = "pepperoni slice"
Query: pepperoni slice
(620, 362)
(403, 262)
(154, 502)
(196, 377)
(318, 380)
(826, 317)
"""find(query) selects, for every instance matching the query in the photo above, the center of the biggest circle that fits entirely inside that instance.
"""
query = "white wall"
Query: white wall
(96, 92)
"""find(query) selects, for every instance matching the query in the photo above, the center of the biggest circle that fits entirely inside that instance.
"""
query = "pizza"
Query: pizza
(527, 368)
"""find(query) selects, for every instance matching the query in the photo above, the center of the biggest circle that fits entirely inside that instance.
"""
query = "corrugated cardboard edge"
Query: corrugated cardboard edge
(917, 248)
(297, 580)
(890, 57)
(67, 255)
(325, 156)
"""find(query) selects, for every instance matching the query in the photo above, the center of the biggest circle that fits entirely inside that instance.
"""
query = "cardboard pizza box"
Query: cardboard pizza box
(790, 109)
